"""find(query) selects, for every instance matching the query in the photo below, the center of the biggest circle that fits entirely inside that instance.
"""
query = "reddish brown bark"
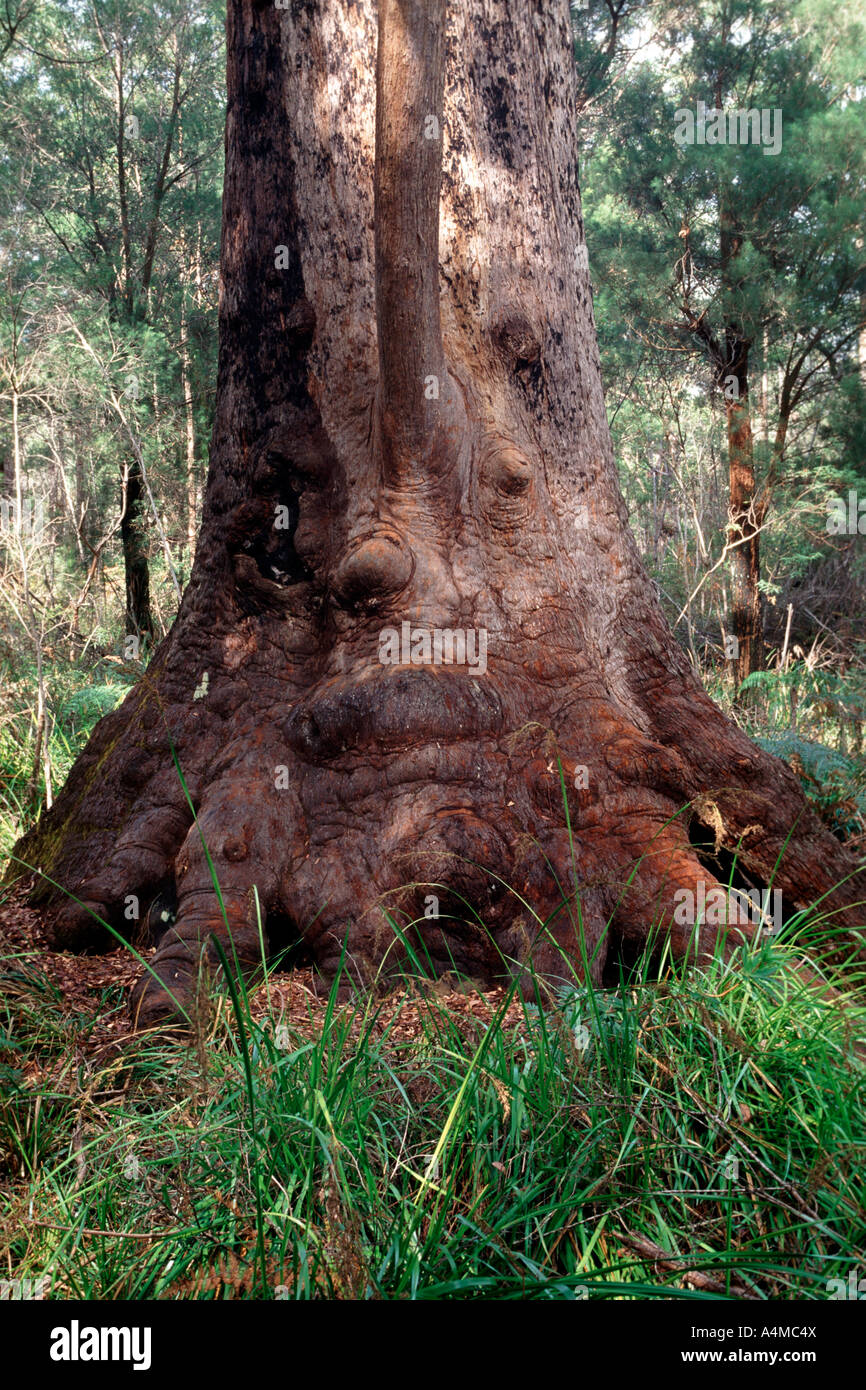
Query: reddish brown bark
(345, 791)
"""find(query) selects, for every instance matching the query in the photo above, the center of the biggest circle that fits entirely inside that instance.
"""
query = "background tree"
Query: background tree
(752, 261)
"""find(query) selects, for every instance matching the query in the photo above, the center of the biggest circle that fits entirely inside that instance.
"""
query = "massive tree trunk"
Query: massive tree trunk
(411, 431)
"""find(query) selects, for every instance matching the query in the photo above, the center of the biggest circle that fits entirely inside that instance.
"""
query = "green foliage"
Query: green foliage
(803, 690)
(83, 707)
(834, 783)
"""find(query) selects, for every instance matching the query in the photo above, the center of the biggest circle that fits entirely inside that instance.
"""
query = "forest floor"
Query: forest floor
(683, 1135)
(86, 987)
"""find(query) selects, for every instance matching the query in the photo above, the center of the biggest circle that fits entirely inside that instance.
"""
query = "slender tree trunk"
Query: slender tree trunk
(23, 521)
(59, 452)
(189, 420)
(744, 517)
(127, 285)
(139, 619)
(81, 534)
(744, 529)
(861, 336)
(417, 624)
(765, 389)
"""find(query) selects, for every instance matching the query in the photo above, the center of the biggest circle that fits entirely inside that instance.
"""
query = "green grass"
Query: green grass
(717, 1115)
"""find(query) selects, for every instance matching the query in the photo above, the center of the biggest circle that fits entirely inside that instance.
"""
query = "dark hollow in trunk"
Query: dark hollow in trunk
(411, 440)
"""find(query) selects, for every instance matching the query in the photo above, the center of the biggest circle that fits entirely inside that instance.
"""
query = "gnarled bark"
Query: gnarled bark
(347, 496)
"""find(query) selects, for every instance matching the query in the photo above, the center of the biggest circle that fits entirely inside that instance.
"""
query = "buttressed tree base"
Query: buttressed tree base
(410, 430)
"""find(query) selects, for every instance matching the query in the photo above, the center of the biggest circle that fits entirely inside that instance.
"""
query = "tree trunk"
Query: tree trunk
(139, 619)
(189, 421)
(410, 458)
(744, 527)
(744, 523)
